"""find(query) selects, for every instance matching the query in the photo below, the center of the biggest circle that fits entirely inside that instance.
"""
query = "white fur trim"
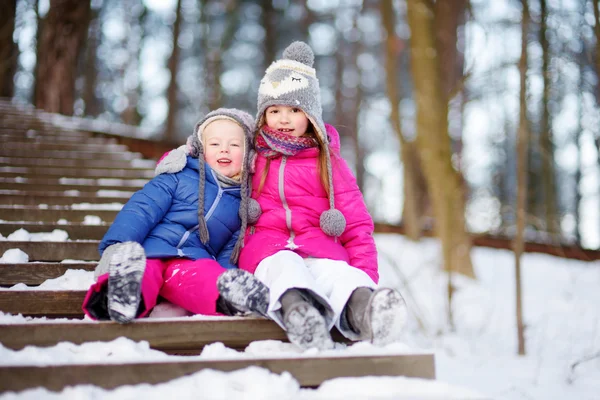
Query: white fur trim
(173, 162)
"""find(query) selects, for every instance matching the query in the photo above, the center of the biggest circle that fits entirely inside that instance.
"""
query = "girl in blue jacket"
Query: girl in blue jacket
(179, 237)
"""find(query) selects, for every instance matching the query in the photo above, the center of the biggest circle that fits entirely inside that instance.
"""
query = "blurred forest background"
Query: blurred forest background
(470, 113)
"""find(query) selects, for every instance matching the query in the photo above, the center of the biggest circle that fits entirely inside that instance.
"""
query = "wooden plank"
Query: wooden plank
(82, 146)
(78, 155)
(32, 136)
(31, 172)
(72, 163)
(55, 251)
(308, 371)
(13, 184)
(35, 273)
(76, 231)
(165, 335)
(57, 199)
(42, 303)
(52, 214)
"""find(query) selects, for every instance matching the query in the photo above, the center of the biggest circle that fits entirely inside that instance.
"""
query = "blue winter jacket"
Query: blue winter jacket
(163, 217)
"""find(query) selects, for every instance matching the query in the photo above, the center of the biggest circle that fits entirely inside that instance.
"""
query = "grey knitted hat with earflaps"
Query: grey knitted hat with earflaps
(249, 208)
(292, 81)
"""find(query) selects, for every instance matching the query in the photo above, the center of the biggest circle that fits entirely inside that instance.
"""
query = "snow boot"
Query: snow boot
(126, 270)
(305, 325)
(243, 293)
(378, 316)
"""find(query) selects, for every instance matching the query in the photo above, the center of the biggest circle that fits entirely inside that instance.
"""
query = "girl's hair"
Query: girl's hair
(321, 162)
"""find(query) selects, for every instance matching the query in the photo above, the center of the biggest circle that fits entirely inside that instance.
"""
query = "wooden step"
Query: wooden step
(31, 136)
(60, 154)
(40, 185)
(172, 335)
(9, 161)
(76, 231)
(309, 372)
(55, 251)
(35, 273)
(52, 214)
(57, 199)
(82, 146)
(32, 172)
(43, 303)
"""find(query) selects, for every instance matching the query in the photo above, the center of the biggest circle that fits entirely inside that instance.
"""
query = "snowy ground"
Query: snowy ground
(475, 360)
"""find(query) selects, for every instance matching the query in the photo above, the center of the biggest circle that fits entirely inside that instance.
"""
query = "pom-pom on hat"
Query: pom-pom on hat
(292, 81)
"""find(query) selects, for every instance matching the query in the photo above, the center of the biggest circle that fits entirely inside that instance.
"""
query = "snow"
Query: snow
(475, 360)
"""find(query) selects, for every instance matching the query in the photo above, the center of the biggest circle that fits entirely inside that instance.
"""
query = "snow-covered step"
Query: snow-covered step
(33, 136)
(27, 172)
(58, 199)
(85, 250)
(308, 371)
(173, 335)
(69, 184)
(15, 161)
(82, 146)
(36, 273)
(75, 231)
(43, 303)
(54, 213)
(82, 154)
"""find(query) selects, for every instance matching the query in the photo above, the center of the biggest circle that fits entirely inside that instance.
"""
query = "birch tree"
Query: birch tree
(522, 144)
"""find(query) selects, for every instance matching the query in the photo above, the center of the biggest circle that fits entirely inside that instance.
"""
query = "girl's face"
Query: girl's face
(223, 143)
(289, 120)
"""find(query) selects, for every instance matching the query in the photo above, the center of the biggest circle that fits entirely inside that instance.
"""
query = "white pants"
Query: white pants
(330, 281)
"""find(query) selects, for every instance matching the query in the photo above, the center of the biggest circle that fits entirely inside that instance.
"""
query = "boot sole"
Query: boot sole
(126, 271)
(244, 291)
(388, 317)
(306, 328)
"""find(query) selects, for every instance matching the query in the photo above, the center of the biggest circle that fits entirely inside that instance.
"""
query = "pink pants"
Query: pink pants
(190, 284)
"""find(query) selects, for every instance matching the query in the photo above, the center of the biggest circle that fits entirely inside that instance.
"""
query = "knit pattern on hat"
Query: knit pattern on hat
(195, 149)
(292, 81)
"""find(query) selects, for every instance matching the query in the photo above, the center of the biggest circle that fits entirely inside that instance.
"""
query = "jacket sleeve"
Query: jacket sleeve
(144, 210)
(225, 254)
(357, 239)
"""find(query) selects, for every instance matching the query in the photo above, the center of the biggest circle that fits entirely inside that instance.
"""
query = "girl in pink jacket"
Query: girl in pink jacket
(313, 242)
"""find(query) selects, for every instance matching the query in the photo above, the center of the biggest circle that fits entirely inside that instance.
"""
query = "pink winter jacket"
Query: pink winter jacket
(306, 199)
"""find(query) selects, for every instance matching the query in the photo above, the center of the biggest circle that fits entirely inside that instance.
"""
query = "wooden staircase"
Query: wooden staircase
(52, 177)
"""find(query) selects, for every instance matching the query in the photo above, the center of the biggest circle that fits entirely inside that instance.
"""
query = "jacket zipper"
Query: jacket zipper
(288, 212)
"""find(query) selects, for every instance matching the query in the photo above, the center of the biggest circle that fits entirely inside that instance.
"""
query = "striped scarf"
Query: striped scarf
(272, 143)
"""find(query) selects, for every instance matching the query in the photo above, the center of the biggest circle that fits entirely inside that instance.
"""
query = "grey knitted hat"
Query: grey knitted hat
(292, 81)
(249, 209)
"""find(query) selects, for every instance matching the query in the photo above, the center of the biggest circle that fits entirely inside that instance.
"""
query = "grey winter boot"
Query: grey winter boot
(305, 325)
(126, 270)
(378, 316)
(243, 292)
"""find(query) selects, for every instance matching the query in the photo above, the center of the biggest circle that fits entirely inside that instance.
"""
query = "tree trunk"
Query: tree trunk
(353, 123)
(268, 23)
(64, 31)
(411, 212)
(8, 48)
(433, 141)
(170, 134)
(596, 8)
(92, 105)
(522, 143)
(135, 43)
(546, 146)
